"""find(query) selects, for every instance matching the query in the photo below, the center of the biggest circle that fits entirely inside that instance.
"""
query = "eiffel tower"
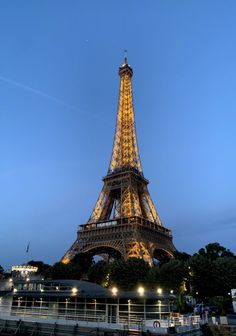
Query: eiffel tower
(124, 222)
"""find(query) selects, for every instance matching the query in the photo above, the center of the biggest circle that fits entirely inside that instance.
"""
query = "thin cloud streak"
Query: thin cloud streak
(39, 93)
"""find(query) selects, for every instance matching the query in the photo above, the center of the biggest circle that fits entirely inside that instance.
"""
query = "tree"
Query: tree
(213, 251)
(153, 277)
(98, 272)
(201, 276)
(42, 267)
(183, 256)
(173, 275)
(128, 274)
(63, 271)
(1, 272)
(224, 275)
(212, 271)
(75, 269)
(83, 261)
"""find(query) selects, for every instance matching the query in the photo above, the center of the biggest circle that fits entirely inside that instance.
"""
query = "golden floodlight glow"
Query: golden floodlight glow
(159, 291)
(65, 261)
(141, 290)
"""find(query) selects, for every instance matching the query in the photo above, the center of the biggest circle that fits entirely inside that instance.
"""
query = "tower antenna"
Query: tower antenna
(126, 56)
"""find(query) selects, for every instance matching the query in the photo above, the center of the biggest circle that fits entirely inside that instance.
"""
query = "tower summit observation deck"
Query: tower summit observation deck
(124, 222)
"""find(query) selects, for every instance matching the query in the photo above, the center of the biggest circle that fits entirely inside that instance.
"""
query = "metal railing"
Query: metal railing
(46, 313)
(125, 221)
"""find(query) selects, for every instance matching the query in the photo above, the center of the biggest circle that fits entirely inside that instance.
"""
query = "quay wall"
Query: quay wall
(12, 327)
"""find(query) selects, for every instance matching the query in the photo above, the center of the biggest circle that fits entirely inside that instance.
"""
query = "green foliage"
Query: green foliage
(170, 276)
(201, 276)
(1, 272)
(153, 277)
(213, 271)
(210, 273)
(224, 275)
(127, 275)
(183, 256)
(98, 272)
(83, 261)
(173, 274)
(76, 269)
(213, 251)
(63, 271)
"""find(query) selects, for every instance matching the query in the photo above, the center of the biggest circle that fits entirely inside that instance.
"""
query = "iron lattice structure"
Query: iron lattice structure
(124, 221)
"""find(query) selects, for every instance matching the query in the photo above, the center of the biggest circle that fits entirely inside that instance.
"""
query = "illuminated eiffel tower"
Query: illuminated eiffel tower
(124, 222)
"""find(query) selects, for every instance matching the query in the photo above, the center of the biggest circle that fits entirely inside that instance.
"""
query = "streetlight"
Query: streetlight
(74, 290)
(114, 291)
(159, 291)
(141, 290)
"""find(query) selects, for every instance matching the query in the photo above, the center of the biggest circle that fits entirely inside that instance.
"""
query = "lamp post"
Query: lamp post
(141, 290)
(159, 292)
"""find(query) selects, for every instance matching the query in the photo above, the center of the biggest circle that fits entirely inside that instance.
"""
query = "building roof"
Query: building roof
(62, 288)
(79, 288)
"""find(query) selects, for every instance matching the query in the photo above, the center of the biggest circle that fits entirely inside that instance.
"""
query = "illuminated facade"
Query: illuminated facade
(124, 222)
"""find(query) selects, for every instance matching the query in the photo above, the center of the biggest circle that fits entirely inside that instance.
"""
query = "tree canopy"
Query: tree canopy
(213, 251)
(128, 274)
(99, 272)
(42, 267)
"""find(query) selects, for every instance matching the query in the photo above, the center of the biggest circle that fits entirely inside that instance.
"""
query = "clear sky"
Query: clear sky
(58, 99)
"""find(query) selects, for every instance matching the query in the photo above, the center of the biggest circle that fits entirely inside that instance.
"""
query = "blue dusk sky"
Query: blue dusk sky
(58, 100)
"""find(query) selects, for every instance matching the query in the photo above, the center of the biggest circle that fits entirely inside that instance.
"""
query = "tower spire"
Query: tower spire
(125, 153)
